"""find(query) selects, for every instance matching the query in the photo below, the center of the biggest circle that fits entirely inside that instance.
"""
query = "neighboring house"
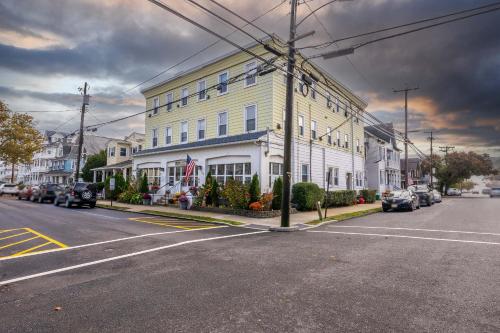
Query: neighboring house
(382, 165)
(61, 166)
(235, 129)
(6, 173)
(415, 172)
(119, 156)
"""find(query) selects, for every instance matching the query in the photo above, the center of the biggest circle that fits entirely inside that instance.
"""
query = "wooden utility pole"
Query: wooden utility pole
(405, 90)
(80, 136)
(445, 150)
(431, 138)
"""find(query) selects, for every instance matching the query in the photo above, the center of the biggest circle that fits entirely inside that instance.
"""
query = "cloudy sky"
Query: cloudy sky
(48, 48)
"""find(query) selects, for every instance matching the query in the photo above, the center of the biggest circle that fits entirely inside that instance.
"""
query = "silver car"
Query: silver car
(495, 192)
(437, 196)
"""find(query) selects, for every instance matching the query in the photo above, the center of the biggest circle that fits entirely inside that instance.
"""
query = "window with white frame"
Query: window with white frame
(250, 118)
(184, 96)
(337, 104)
(152, 175)
(168, 135)
(301, 125)
(314, 131)
(313, 89)
(202, 92)
(275, 172)
(346, 140)
(338, 138)
(156, 105)
(123, 151)
(201, 129)
(305, 172)
(184, 132)
(111, 151)
(223, 85)
(336, 173)
(358, 148)
(222, 124)
(381, 176)
(251, 74)
(241, 172)
(329, 135)
(169, 97)
(154, 137)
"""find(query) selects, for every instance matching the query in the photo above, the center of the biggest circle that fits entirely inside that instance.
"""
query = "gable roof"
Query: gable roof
(384, 132)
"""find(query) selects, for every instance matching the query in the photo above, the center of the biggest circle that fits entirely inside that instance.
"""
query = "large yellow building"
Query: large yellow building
(228, 117)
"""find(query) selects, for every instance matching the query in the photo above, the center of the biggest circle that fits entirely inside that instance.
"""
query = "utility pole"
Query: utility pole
(287, 159)
(405, 90)
(431, 138)
(80, 138)
(445, 151)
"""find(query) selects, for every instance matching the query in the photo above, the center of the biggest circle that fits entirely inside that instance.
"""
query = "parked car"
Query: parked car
(495, 192)
(425, 195)
(454, 192)
(45, 192)
(401, 200)
(79, 194)
(475, 192)
(11, 189)
(25, 193)
(486, 191)
(437, 196)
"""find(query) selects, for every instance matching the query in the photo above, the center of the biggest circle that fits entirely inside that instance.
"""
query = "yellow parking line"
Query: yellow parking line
(7, 230)
(22, 233)
(30, 249)
(22, 241)
(47, 238)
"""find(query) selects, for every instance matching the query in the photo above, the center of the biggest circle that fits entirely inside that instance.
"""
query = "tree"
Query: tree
(93, 161)
(143, 187)
(254, 189)
(466, 185)
(277, 191)
(19, 139)
(214, 193)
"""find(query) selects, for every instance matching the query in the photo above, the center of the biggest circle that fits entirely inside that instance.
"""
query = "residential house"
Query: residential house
(119, 156)
(6, 173)
(229, 119)
(382, 165)
(415, 172)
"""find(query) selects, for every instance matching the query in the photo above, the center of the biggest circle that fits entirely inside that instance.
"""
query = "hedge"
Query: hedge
(340, 198)
(305, 195)
(369, 195)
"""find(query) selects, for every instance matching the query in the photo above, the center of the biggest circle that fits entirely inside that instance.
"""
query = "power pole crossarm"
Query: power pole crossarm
(80, 136)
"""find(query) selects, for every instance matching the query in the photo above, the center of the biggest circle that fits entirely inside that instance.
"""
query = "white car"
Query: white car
(454, 192)
(11, 189)
(495, 192)
(437, 196)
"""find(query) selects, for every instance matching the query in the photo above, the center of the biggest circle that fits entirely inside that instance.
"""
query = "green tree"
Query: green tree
(254, 189)
(214, 193)
(93, 161)
(207, 189)
(277, 193)
(143, 187)
(19, 139)
(120, 186)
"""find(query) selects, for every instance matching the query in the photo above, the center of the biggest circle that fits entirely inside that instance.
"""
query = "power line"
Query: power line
(44, 111)
(203, 49)
(333, 41)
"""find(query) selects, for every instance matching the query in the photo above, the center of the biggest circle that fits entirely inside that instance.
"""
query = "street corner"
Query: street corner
(20, 241)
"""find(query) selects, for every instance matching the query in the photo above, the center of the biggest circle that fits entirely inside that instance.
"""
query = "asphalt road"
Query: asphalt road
(436, 269)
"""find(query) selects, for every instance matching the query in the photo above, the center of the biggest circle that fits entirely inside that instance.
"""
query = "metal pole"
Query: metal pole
(80, 139)
(287, 159)
(406, 139)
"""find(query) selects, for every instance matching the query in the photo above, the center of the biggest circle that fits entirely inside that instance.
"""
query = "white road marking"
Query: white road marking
(410, 229)
(106, 216)
(64, 269)
(403, 236)
(104, 242)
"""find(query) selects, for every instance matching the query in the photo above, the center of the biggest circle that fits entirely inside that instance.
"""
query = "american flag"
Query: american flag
(190, 164)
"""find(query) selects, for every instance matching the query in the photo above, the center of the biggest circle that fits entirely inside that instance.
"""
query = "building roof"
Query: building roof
(382, 132)
(209, 142)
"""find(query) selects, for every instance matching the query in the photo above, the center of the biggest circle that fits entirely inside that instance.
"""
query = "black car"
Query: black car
(400, 200)
(45, 192)
(424, 194)
(79, 194)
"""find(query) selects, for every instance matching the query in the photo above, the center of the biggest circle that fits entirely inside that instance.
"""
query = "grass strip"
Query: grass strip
(347, 216)
(199, 218)
(112, 207)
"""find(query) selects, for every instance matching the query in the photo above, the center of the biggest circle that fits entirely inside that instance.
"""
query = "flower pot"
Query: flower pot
(183, 205)
(146, 201)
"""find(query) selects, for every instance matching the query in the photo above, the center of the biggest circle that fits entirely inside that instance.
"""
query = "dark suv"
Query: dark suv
(79, 194)
(424, 194)
(45, 192)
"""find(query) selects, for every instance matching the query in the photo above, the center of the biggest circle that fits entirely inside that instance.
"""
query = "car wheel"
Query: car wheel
(18, 197)
(32, 198)
(40, 199)
(56, 202)
(67, 203)
(92, 205)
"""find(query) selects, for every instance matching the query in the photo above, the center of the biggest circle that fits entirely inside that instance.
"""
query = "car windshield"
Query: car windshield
(419, 188)
(9, 185)
(80, 186)
(399, 194)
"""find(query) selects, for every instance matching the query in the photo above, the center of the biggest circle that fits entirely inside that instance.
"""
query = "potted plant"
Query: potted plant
(183, 202)
(146, 199)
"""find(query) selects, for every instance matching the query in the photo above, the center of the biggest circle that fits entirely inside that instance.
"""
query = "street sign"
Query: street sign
(112, 184)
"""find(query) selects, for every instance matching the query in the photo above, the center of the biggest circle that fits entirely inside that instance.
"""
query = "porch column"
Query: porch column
(124, 171)
(95, 176)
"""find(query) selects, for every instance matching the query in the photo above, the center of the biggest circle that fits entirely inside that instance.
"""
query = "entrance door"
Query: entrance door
(348, 179)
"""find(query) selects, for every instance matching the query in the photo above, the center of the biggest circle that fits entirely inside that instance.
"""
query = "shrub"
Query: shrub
(100, 186)
(255, 206)
(236, 194)
(254, 189)
(277, 192)
(340, 198)
(266, 200)
(214, 193)
(143, 186)
(305, 195)
(369, 195)
(120, 186)
(207, 189)
(136, 199)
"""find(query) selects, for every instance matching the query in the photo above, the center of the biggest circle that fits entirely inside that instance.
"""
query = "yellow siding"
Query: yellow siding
(234, 101)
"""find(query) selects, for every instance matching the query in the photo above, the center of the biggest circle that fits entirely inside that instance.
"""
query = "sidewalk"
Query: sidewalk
(295, 219)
